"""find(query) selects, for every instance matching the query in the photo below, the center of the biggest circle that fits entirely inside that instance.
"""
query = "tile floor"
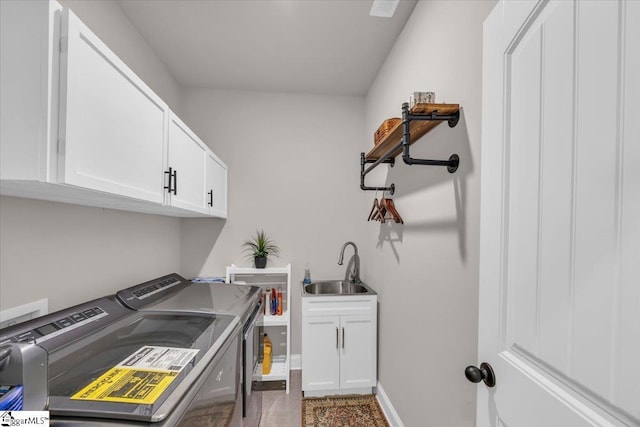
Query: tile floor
(280, 409)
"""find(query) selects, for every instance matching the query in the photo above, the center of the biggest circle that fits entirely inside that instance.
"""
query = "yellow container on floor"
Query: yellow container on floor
(266, 361)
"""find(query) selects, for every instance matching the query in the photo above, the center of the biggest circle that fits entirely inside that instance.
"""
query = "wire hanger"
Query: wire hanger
(375, 209)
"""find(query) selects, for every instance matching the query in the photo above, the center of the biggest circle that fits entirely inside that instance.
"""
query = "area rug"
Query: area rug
(342, 411)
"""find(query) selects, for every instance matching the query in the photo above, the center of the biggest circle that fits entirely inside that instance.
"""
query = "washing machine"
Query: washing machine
(108, 365)
(175, 294)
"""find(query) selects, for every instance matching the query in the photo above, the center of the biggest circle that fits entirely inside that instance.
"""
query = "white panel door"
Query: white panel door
(321, 353)
(560, 217)
(216, 187)
(112, 126)
(358, 351)
(186, 158)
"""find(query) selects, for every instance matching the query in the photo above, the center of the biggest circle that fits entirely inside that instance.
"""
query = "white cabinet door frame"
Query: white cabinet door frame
(216, 188)
(358, 351)
(321, 353)
(112, 125)
(29, 89)
(186, 156)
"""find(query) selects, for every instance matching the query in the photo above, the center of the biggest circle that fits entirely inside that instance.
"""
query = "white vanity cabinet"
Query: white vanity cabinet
(339, 345)
(77, 125)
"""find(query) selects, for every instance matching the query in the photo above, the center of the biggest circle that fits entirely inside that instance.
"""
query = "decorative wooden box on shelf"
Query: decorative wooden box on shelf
(418, 128)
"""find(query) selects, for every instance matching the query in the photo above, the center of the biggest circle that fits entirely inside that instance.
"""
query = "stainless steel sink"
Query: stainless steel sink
(336, 287)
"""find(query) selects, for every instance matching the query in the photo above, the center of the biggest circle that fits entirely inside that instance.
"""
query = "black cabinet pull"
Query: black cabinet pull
(175, 183)
(173, 177)
(211, 198)
(168, 186)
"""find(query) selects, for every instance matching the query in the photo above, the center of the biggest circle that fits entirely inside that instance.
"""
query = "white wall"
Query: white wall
(426, 272)
(70, 253)
(293, 171)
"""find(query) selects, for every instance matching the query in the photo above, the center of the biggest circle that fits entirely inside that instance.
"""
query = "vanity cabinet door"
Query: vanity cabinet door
(112, 125)
(357, 351)
(320, 353)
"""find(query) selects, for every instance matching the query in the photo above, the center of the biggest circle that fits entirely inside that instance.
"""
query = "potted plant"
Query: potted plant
(260, 247)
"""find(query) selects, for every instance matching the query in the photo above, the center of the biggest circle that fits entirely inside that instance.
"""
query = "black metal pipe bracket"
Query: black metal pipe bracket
(390, 160)
(451, 119)
(452, 163)
(454, 160)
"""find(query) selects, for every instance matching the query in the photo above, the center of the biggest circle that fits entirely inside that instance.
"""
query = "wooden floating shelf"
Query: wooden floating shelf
(417, 128)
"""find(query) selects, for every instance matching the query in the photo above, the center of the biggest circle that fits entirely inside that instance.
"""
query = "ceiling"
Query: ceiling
(308, 46)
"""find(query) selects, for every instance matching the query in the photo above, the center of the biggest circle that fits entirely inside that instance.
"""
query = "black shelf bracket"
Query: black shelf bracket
(451, 164)
(386, 159)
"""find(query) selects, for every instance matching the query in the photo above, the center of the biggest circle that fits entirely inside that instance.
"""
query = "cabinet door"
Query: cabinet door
(320, 353)
(186, 158)
(358, 351)
(112, 125)
(216, 188)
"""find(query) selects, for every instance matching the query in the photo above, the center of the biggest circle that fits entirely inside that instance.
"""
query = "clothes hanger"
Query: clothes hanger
(394, 212)
(375, 209)
(382, 210)
(386, 205)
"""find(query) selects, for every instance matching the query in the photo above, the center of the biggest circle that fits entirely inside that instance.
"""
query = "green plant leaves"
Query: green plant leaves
(260, 245)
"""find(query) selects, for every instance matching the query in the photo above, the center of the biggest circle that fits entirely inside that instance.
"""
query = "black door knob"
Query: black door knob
(484, 373)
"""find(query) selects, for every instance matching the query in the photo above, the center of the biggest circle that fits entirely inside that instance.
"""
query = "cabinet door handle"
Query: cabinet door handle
(343, 338)
(170, 176)
(175, 183)
(337, 338)
(211, 198)
(173, 176)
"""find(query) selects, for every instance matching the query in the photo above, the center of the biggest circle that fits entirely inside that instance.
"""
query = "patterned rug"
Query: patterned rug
(342, 411)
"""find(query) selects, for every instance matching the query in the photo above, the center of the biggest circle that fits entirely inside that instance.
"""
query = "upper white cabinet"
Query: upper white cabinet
(112, 125)
(216, 186)
(29, 86)
(79, 126)
(185, 175)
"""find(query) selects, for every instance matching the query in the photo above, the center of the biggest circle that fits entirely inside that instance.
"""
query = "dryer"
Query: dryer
(111, 366)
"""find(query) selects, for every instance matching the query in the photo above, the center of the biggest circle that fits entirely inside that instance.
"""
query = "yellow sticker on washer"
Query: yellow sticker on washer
(127, 385)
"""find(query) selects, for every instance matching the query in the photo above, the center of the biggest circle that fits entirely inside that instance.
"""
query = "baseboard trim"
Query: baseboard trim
(296, 362)
(387, 407)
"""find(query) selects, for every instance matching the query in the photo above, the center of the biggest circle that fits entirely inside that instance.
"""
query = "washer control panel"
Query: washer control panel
(62, 327)
(57, 326)
(148, 293)
(154, 288)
